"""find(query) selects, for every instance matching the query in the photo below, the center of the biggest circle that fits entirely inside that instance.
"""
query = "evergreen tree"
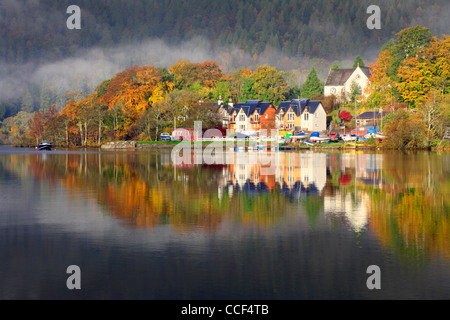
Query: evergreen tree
(45, 97)
(358, 62)
(312, 85)
(27, 102)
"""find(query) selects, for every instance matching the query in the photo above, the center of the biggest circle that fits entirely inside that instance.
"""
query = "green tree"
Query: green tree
(312, 86)
(407, 42)
(358, 62)
(269, 85)
(27, 102)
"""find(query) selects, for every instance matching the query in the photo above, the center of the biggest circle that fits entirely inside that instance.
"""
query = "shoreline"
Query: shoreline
(134, 145)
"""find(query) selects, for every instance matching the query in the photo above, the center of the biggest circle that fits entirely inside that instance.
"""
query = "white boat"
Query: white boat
(380, 136)
(320, 139)
(165, 136)
(349, 137)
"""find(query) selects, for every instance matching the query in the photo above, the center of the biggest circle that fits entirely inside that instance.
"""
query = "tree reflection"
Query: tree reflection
(404, 199)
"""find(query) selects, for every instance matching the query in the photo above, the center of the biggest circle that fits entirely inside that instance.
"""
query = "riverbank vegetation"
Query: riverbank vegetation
(409, 81)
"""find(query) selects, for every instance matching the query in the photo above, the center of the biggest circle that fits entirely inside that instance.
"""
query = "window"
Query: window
(267, 116)
(256, 117)
(290, 116)
(333, 90)
(306, 116)
(241, 117)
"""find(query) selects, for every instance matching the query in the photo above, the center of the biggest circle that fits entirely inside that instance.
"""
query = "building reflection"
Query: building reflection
(292, 173)
(308, 174)
(401, 198)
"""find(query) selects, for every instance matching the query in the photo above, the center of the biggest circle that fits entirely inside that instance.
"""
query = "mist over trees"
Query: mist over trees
(41, 60)
(315, 28)
(287, 34)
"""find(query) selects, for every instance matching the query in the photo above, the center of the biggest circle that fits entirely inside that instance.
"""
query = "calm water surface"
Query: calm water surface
(140, 228)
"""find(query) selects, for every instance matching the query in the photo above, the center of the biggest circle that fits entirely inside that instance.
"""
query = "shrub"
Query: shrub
(406, 131)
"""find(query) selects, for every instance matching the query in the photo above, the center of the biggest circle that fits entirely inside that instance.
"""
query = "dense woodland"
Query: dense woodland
(410, 79)
(288, 34)
(143, 99)
(317, 28)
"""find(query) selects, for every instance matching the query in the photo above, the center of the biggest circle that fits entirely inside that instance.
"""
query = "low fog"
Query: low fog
(86, 69)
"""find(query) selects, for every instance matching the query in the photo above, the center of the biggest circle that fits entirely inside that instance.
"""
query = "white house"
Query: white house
(339, 82)
(304, 114)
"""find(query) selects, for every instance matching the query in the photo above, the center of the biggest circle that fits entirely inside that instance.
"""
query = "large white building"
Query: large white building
(339, 82)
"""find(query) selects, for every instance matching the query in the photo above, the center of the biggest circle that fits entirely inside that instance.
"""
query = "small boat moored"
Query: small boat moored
(44, 145)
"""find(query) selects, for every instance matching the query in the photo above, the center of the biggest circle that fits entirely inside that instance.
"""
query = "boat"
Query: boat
(349, 137)
(257, 148)
(309, 143)
(44, 145)
(380, 136)
(334, 137)
(318, 138)
(165, 136)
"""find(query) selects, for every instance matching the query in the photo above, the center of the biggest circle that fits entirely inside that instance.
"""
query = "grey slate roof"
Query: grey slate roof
(250, 106)
(370, 115)
(217, 105)
(340, 76)
(299, 105)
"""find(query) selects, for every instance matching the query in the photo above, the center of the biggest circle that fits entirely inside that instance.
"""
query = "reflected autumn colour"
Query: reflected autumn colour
(411, 212)
(402, 199)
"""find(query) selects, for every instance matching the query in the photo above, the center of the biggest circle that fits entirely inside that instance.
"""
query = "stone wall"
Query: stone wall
(119, 145)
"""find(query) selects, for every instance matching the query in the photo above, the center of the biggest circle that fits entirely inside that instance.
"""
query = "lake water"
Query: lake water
(140, 228)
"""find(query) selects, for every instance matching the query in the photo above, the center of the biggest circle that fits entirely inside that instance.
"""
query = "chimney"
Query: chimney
(230, 102)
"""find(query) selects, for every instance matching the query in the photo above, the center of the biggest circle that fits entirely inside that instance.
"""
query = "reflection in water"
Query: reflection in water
(401, 200)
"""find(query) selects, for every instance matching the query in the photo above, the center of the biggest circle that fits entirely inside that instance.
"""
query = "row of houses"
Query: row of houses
(297, 114)
(254, 115)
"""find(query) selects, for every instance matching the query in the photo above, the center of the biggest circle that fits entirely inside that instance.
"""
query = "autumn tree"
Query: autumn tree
(380, 89)
(131, 92)
(414, 80)
(186, 74)
(433, 111)
(269, 85)
(406, 43)
(43, 125)
(406, 131)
